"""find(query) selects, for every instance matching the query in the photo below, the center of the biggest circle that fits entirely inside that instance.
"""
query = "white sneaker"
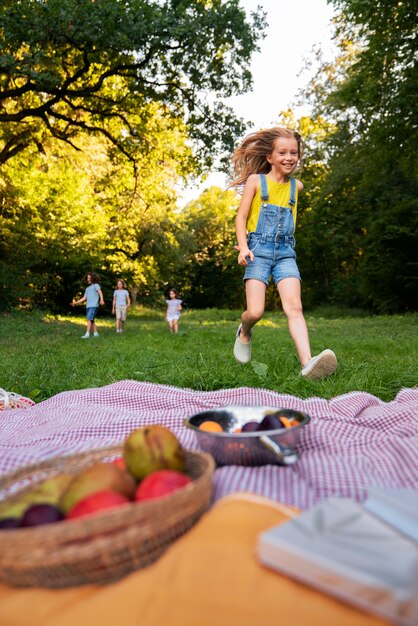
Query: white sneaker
(320, 366)
(242, 351)
(86, 336)
(96, 335)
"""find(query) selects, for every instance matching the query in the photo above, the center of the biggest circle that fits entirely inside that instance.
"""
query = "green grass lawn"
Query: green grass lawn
(42, 355)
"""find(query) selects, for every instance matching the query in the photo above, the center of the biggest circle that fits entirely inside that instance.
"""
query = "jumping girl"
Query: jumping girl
(264, 163)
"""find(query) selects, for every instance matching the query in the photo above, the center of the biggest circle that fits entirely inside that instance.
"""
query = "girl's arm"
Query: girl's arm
(99, 291)
(250, 190)
(299, 185)
(128, 300)
(113, 304)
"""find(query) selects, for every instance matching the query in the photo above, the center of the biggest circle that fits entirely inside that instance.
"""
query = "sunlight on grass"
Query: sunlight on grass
(77, 321)
(273, 323)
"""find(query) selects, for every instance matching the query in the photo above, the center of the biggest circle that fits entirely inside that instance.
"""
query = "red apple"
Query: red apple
(161, 483)
(95, 502)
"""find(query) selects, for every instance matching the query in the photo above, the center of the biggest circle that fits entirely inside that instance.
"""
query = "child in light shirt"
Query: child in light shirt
(173, 310)
(93, 296)
(121, 302)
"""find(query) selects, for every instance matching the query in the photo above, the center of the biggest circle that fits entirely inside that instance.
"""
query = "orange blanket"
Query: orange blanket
(210, 577)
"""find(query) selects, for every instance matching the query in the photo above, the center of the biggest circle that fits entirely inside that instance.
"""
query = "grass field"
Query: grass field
(42, 355)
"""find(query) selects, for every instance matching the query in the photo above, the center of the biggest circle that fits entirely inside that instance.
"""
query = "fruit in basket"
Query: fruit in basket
(7, 523)
(95, 502)
(47, 492)
(39, 514)
(153, 448)
(161, 483)
(97, 477)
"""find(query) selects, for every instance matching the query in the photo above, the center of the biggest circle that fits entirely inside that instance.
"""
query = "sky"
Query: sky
(294, 27)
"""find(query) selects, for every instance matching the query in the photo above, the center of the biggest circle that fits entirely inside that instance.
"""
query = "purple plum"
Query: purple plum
(249, 427)
(39, 514)
(270, 422)
(7, 523)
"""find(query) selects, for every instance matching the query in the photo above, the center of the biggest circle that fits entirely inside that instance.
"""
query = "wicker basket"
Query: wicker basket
(11, 400)
(104, 547)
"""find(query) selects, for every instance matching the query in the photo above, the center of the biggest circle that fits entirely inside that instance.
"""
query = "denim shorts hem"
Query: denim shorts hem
(289, 276)
(262, 280)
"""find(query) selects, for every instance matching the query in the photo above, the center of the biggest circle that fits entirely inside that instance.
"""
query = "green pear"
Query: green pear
(97, 477)
(153, 448)
(47, 492)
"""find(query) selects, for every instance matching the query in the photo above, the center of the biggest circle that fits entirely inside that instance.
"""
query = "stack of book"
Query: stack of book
(365, 554)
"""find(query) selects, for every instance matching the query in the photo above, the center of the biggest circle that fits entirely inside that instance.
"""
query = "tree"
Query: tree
(64, 212)
(368, 194)
(51, 229)
(74, 66)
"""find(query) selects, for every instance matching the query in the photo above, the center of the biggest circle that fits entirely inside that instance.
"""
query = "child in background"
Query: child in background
(93, 296)
(121, 302)
(264, 163)
(173, 310)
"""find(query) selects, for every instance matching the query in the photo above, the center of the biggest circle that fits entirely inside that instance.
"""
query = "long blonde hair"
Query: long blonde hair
(251, 156)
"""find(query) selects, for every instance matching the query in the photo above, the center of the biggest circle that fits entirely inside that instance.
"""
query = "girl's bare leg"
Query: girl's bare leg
(176, 326)
(290, 295)
(255, 291)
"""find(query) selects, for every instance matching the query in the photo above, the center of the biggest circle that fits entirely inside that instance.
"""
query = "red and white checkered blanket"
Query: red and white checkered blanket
(353, 441)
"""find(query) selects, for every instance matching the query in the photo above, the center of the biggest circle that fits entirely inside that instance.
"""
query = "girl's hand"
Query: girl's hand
(243, 255)
(101, 301)
(113, 311)
(73, 303)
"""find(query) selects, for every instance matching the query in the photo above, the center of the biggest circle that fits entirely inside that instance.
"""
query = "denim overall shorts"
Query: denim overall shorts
(273, 243)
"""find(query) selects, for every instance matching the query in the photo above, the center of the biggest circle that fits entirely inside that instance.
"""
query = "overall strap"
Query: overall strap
(264, 188)
(292, 197)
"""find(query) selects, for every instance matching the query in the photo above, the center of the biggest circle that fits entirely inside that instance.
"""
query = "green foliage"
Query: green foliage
(65, 212)
(88, 88)
(362, 221)
(71, 66)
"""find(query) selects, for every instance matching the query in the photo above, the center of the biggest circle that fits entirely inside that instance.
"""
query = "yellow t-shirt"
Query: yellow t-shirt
(279, 194)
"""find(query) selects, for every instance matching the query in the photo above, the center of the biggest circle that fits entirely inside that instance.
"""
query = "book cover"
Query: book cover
(341, 549)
